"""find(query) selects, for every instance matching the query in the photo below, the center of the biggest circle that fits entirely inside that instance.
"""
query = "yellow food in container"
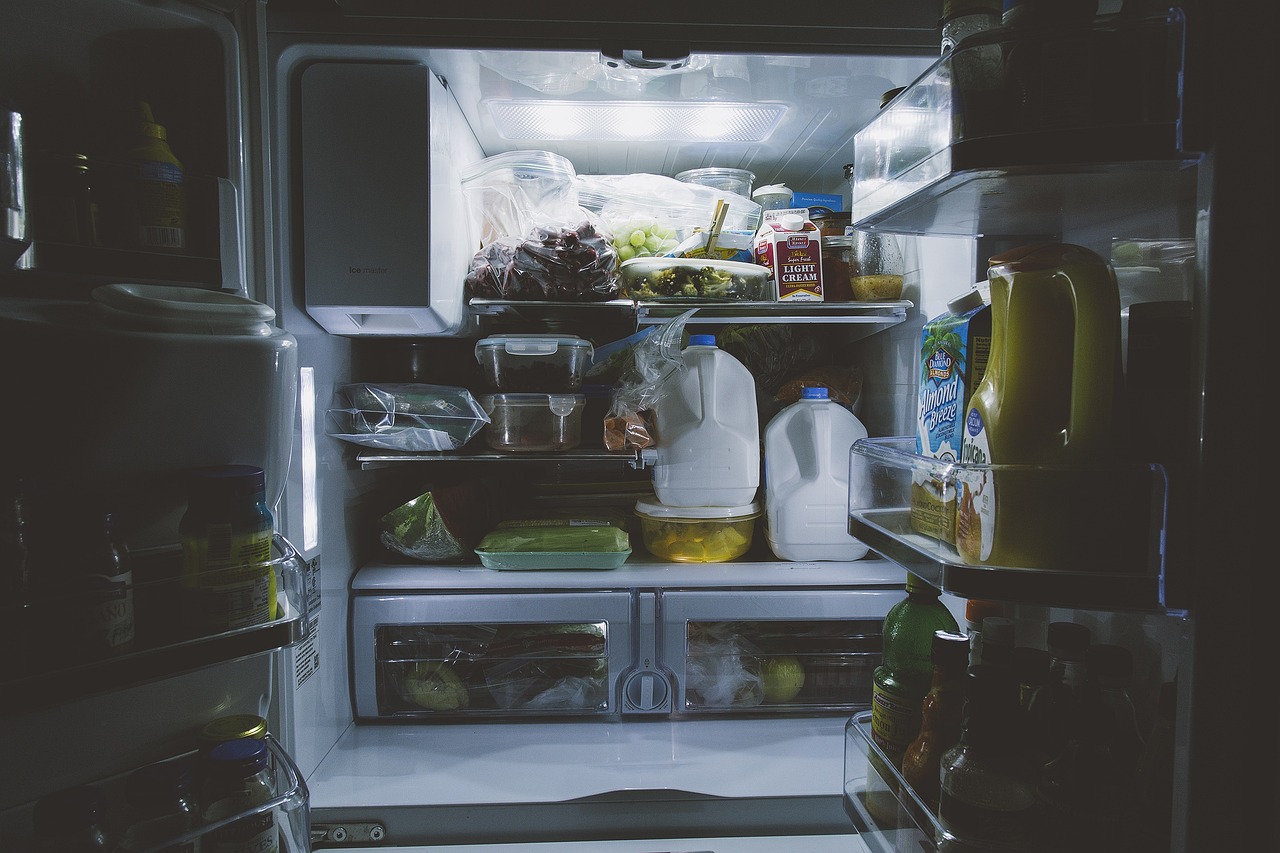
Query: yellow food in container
(703, 534)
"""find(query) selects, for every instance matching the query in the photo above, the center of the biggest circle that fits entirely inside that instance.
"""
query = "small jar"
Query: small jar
(831, 223)
(876, 268)
(837, 269)
(227, 577)
(160, 808)
(239, 780)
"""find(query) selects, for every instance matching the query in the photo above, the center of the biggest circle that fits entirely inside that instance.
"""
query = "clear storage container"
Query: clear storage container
(546, 364)
(694, 280)
(739, 181)
(703, 534)
(533, 422)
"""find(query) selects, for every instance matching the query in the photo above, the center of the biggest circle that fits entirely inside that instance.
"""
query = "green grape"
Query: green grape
(653, 243)
(666, 246)
(637, 238)
(625, 252)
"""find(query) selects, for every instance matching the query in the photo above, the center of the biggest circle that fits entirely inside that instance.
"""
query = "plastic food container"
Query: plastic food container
(737, 181)
(694, 280)
(533, 422)
(703, 534)
(831, 223)
(546, 364)
(554, 544)
(837, 259)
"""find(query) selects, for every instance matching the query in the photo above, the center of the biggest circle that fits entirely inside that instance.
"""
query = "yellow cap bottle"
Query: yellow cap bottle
(158, 212)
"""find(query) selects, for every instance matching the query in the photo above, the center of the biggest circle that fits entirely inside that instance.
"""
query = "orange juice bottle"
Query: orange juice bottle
(1049, 398)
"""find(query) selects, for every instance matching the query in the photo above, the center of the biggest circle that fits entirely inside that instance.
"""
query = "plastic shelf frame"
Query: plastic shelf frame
(1094, 535)
(1068, 111)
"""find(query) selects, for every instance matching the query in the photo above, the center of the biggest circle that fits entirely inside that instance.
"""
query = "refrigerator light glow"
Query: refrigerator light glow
(635, 120)
(310, 511)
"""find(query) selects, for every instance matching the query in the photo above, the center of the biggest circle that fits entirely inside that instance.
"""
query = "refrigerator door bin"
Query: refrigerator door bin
(1016, 97)
(815, 653)
(426, 657)
(290, 806)
(57, 666)
(1095, 537)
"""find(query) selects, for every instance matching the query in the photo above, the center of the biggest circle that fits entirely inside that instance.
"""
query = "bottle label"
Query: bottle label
(229, 577)
(104, 612)
(976, 509)
(257, 833)
(895, 722)
(161, 205)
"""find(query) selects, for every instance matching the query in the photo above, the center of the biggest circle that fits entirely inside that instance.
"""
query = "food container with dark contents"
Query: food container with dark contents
(837, 258)
(546, 364)
(831, 223)
(533, 422)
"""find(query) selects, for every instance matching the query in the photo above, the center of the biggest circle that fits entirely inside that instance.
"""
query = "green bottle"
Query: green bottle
(903, 679)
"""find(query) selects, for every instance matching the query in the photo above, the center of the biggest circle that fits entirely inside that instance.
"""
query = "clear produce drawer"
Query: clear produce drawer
(1072, 536)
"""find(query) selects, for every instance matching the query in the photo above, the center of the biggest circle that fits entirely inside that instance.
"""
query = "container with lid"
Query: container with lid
(739, 181)
(772, 197)
(837, 268)
(533, 422)
(534, 363)
(703, 534)
(831, 223)
(240, 781)
(694, 280)
(227, 578)
(877, 273)
(233, 727)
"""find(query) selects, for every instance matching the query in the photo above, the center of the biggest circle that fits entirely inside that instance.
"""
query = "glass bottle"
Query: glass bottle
(100, 598)
(71, 821)
(1111, 675)
(987, 796)
(902, 680)
(1081, 789)
(1151, 819)
(226, 550)
(1055, 705)
(160, 807)
(239, 780)
(975, 610)
(997, 643)
(1031, 671)
(940, 715)
(961, 18)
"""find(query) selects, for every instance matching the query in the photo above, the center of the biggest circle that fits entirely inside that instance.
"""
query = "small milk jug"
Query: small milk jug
(708, 444)
(1049, 400)
(806, 479)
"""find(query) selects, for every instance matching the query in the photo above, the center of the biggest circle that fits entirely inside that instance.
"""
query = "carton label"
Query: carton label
(954, 351)
(794, 257)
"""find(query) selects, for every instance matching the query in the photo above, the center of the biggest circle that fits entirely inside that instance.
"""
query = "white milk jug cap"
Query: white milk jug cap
(792, 222)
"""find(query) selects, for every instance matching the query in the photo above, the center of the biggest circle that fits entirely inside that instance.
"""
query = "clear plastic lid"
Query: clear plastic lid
(520, 165)
(534, 344)
(654, 509)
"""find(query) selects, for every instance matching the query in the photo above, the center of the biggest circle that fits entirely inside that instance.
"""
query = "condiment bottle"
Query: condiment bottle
(1110, 670)
(1055, 707)
(239, 779)
(160, 808)
(71, 821)
(975, 610)
(1081, 788)
(157, 208)
(902, 680)
(226, 548)
(961, 18)
(100, 587)
(940, 715)
(988, 793)
(1151, 821)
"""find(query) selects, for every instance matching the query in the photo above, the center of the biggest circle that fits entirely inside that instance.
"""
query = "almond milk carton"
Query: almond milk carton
(790, 245)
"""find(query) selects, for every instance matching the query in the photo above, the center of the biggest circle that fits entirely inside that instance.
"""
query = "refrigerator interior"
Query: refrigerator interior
(241, 140)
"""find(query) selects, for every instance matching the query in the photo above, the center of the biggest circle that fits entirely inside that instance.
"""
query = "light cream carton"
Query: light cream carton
(790, 245)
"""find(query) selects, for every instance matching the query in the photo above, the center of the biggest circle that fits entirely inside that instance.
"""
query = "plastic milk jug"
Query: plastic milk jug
(708, 443)
(806, 479)
(1047, 406)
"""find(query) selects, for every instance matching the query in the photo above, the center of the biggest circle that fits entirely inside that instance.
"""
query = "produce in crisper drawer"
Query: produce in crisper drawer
(433, 685)
(783, 676)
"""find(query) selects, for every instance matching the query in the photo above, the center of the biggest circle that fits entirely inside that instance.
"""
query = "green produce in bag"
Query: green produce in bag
(438, 526)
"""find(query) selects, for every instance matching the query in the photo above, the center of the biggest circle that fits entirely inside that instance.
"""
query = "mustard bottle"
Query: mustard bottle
(1048, 400)
(158, 209)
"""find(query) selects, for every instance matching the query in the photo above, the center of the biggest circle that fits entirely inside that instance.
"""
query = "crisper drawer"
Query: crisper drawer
(464, 656)
(808, 651)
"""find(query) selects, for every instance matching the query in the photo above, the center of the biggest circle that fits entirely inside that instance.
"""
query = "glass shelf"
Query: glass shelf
(1094, 534)
(381, 458)
(53, 670)
(878, 314)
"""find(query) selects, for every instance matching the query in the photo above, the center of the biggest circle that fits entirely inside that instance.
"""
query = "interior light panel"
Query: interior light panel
(623, 121)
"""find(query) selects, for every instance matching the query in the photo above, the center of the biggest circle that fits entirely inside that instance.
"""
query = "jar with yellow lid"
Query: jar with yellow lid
(233, 727)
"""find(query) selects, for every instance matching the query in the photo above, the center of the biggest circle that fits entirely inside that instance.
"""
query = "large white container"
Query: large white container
(708, 447)
(806, 479)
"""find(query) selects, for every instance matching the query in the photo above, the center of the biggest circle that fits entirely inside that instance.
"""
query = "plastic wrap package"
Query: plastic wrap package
(723, 672)
(628, 426)
(553, 262)
(405, 416)
(511, 194)
(441, 525)
(654, 215)
(559, 666)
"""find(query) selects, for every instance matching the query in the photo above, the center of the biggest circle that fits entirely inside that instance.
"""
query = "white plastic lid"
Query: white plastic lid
(771, 190)
(791, 222)
(965, 302)
(184, 310)
(654, 509)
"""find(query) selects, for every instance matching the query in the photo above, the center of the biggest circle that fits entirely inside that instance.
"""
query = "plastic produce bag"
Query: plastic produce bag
(555, 263)
(441, 525)
(405, 416)
(628, 425)
(724, 672)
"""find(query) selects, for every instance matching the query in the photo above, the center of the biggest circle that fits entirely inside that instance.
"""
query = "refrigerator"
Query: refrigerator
(326, 148)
